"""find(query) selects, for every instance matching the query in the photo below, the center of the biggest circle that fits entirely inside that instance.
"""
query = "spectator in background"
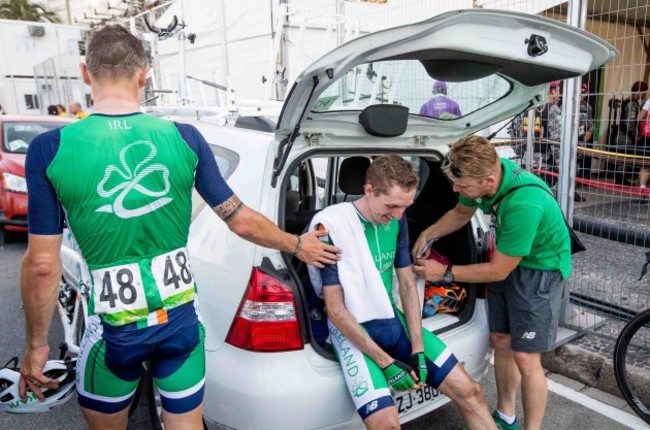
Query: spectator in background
(585, 131)
(643, 146)
(76, 111)
(52, 110)
(552, 113)
(440, 106)
(586, 118)
(61, 110)
(630, 108)
(547, 151)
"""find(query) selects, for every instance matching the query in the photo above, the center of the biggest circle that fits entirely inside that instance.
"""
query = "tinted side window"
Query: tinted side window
(227, 162)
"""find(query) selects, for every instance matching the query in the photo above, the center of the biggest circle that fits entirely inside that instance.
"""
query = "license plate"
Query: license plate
(410, 400)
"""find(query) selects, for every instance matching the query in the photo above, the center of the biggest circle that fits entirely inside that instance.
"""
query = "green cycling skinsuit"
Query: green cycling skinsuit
(367, 383)
(124, 184)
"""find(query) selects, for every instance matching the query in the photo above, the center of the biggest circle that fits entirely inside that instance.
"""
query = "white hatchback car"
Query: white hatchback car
(268, 366)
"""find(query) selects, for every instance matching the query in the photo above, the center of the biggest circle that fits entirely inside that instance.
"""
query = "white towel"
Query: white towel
(364, 292)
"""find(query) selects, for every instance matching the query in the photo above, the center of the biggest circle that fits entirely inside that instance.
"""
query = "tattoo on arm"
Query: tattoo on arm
(228, 208)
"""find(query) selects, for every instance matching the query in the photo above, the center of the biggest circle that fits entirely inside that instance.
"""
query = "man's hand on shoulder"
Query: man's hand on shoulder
(316, 252)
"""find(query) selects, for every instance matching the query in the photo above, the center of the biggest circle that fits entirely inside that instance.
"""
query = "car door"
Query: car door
(497, 62)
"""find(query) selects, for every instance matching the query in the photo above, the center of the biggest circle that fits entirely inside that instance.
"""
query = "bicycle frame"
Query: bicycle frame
(73, 295)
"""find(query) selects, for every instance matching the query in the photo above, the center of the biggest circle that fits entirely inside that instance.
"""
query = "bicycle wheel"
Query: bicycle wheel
(632, 364)
(80, 328)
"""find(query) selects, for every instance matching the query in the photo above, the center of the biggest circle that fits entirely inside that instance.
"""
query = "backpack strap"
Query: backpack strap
(495, 205)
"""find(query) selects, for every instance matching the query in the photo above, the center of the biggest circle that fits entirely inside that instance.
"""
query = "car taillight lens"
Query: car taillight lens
(266, 320)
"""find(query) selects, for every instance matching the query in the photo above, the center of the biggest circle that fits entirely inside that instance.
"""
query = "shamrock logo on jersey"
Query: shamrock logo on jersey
(134, 179)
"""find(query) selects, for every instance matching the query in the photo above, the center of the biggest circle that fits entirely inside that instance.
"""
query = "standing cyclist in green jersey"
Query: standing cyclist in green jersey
(526, 274)
(123, 181)
(378, 345)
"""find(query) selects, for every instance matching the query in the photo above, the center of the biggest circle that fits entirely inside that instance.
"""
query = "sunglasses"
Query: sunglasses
(450, 167)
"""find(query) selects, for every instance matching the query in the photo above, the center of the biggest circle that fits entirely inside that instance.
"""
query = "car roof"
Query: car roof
(36, 118)
(237, 137)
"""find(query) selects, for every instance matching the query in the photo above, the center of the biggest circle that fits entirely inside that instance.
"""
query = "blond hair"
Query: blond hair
(388, 170)
(474, 155)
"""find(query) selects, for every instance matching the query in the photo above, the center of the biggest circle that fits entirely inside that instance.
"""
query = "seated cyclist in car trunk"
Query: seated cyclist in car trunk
(366, 328)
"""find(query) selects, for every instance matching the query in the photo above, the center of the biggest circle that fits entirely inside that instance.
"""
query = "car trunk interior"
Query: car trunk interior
(325, 179)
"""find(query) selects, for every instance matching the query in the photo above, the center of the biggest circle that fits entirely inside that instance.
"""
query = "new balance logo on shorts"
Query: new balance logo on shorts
(371, 406)
(530, 335)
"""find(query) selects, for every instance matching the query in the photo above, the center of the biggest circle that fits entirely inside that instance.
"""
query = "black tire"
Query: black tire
(81, 324)
(632, 349)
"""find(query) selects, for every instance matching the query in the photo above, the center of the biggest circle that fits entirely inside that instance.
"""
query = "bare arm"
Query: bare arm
(448, 223)
(255, 227)
(496, 270)
(39, 286)
(412, 306)
(345, 322)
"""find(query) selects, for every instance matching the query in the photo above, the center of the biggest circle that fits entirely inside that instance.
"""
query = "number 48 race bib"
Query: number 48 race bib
(120, 289)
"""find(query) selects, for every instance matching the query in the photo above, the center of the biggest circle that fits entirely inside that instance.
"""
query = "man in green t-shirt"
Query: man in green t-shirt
(526, 272)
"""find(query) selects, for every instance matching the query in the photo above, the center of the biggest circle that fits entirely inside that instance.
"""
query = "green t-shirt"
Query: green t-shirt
(529, 222)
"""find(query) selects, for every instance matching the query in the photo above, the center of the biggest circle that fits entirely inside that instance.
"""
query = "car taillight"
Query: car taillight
(266, 320)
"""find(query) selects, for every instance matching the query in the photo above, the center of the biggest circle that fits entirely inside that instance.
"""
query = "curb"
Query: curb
(592, 369)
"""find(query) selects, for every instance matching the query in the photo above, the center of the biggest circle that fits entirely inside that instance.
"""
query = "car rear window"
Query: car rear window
(16, 136)
(407, 83)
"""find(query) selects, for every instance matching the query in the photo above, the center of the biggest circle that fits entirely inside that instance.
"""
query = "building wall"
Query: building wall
(630, 66)
(20, 52)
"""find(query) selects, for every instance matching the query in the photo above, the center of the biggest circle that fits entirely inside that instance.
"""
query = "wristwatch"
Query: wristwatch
(448, 277)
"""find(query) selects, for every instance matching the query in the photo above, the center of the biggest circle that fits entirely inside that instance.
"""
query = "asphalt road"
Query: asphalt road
(12, 343)
(562, 413)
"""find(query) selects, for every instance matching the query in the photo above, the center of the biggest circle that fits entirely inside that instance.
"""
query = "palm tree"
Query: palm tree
(25, 10)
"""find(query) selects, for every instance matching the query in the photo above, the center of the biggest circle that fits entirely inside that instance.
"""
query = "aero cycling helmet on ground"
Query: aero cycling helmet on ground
(61, 370)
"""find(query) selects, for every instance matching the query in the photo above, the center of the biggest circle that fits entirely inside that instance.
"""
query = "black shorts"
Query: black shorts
(526, 305)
